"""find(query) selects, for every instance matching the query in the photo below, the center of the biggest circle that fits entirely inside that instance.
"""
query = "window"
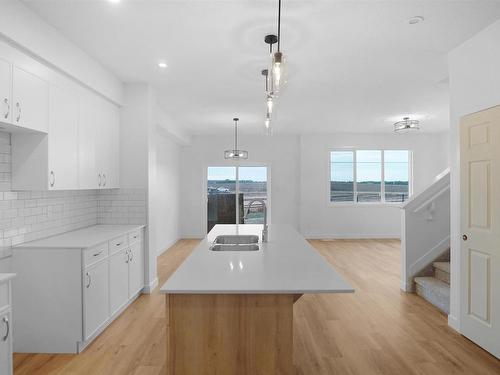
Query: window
(369, 176)
(235, 195)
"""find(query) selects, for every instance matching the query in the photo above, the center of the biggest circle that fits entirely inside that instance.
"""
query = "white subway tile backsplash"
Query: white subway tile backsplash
(30, 215)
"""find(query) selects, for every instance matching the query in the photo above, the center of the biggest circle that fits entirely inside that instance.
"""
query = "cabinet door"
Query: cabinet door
(103, 151)
(5, 91)
(136, 266)
(118, 280)
(87, 136)
(6, 343)
(63, 139)
(114, 140)
(30, 101)
(96, 298)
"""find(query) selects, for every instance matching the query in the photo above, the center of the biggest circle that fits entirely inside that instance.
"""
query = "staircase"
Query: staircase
(436, 287)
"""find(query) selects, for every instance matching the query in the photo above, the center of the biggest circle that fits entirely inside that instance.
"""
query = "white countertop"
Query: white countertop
(81, 238)
(286, 264)
(6, 277)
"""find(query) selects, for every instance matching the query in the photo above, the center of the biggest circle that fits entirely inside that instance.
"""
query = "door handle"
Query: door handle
(7, 105)
(90, 280)
(18, 106)
(464, 237)
(6, 321)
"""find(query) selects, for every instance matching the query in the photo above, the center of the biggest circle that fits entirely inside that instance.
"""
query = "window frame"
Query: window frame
(382, 201)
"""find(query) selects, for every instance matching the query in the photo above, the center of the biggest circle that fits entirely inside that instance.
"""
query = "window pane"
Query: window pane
(253, 185)
(341, 176)
(221, 190)
(369, 175)
(396, 175)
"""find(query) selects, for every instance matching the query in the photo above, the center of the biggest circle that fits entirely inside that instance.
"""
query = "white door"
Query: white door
(96, 298)
(6, 343)
(5, 91)
(30, 101)
(480, 212)
(136, 265)
(87, 135)
(63, 139)
(118, 280)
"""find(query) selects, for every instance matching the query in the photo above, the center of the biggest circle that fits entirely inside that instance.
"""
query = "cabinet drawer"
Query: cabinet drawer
(95, 254)
(4, 295)
(118, 243)
(135, 236)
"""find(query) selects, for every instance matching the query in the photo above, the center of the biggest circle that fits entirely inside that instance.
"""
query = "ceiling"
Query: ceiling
(354, 66)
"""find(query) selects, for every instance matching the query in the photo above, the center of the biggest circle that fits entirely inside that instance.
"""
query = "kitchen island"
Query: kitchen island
(231, 312)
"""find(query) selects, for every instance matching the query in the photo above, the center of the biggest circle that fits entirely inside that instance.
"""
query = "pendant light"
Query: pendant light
(236, 154)
(406, 125)
(277, 69)
(270, 104)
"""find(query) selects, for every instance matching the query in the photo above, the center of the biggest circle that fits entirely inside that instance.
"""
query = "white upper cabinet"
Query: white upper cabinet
(63, 139)
(30, 101)
(5, 91)
(87, 139)
(64, 136)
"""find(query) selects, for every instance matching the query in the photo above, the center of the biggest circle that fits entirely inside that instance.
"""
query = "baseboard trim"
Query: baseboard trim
(148, 289)
(454, 323)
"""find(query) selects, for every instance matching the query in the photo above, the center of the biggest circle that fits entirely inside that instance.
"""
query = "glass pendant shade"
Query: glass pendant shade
(277, 76)
(236, 154)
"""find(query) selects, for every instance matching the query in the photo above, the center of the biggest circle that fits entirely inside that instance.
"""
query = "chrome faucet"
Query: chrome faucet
(264, 230)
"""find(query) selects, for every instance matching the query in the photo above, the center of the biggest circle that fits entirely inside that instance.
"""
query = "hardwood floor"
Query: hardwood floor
(377, 330)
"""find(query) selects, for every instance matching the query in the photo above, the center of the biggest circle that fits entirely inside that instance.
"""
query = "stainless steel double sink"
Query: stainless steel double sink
(236, 243)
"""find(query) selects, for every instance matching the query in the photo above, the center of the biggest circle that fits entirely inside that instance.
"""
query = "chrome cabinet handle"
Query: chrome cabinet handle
(128, 256)
(464, 237)
(18, 106)
(52, 174)
(6, 321)
(99, 253)
(90, 280)
(7, 105)
(119, 244)
(100, 180)
(131, 255)
(105, 179)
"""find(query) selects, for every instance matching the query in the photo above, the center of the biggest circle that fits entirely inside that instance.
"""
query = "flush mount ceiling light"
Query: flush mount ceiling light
(277, 69)
(415, 20)
(162, 64)
(236, 154)
(114, 1)
(406, 125)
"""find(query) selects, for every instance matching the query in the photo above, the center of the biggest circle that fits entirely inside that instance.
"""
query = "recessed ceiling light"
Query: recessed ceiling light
(162, 64)
(415, 20)
(114, 1)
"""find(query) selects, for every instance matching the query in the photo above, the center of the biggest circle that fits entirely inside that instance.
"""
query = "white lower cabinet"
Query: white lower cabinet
(95, 298)
(118, 279)
(67, 295)
(6, 342)
(136, 269)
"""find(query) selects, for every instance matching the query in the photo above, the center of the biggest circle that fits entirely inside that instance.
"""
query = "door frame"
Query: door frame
(243, 163)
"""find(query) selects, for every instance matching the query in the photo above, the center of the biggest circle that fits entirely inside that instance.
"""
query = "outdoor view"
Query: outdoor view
(356, 176)
(222, 195)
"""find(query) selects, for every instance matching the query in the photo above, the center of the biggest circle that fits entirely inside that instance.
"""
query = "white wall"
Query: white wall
(279, 153)
(26, 29)
(299, 180)
(320, 219)
(474, 86)
(164, 192)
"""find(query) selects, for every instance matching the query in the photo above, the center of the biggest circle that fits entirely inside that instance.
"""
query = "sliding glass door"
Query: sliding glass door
(236, 195)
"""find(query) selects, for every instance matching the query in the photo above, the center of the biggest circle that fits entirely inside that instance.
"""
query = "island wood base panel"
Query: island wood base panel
(230, 334)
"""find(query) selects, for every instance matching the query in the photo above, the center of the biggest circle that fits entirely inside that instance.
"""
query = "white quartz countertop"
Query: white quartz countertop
(81, 238)
(6, 277)
(286, 264)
